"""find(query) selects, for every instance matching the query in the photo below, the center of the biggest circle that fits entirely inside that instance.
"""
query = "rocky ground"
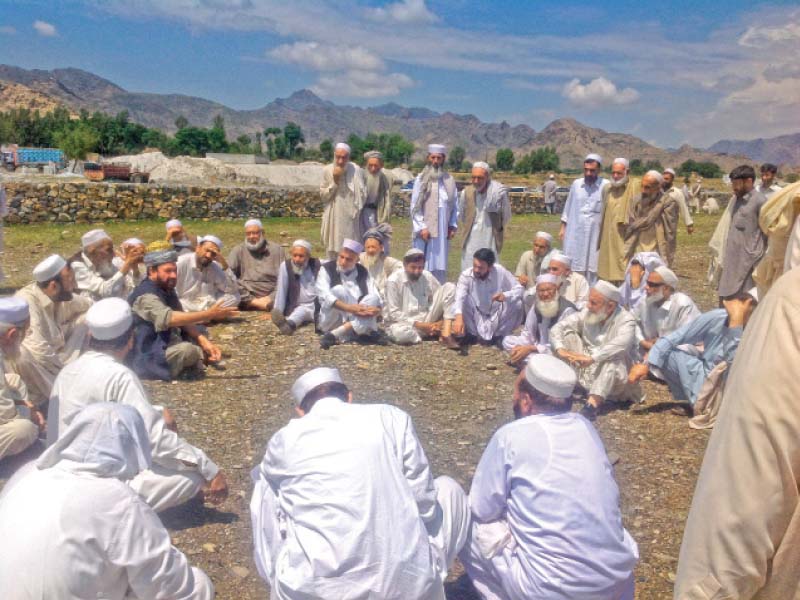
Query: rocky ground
(456, 403)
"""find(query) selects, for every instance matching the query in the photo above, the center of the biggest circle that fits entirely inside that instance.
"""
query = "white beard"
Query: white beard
(343, 272)
(106, 270)
(298, 270)
(370, 261)
(257, 246)
(547, 308)
(595, 318)
(656, 298)
(621, 183)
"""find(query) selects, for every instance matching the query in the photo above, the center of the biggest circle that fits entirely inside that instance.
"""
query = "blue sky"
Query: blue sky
(668, 72)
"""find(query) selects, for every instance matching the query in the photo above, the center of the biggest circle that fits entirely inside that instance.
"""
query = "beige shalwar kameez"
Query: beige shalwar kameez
(611, 262)
(16, 432)
(343, 203)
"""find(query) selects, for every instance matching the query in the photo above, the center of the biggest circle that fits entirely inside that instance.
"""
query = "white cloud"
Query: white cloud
(598, 92)
(405, 11)
(361, 84)
(45, 29)
(7, 30)
(320, 57)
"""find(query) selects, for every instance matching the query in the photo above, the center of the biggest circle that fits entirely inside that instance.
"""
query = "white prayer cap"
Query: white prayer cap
(544, 235)
(173, 223)
(302, 244)
(547, 278)
(342, 146)
(437, 149)
(609, 290)
(315, 377)
(550, 376)
(562, 258)
(753, 293)
(668, 275)
(373, 154)
(593, 157)
(352, 245)
(482, 165)
(670, 170)
(621, 161)
(655, 175)
(133, 242)
(109, 318)
(92, 237)
(251, 222)
(48, 268)
(551, 176)
(413, 252)
(213, 239)
(14, 310)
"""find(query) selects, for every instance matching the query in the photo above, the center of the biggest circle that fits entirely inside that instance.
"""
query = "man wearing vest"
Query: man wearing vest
(484, 211)
(349, 302)
(296, 294)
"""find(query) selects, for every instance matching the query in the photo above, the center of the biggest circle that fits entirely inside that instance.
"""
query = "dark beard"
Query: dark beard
(517, 412)
(63, 296)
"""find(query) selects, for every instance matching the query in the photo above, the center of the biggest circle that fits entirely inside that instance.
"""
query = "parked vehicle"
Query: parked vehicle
(14, 157)
(113, 172)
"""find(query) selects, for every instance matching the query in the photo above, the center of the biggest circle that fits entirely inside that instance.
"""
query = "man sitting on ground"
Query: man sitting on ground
(599, 342)
(180, 240)
(345, 496)
(574, 286)
(296, 296)
(57, 332)
(548, 309)
(204, 278)
(255, 263)
(532, 263)
(96, 275)
(417, 305)
(632, 290)
(179, 471)
(374, 258)
(166, 341)
(349, 302)
(545, 506)
(132, 251)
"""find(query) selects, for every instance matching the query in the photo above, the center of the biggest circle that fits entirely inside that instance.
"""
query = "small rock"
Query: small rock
(208, 547)
(240, 571)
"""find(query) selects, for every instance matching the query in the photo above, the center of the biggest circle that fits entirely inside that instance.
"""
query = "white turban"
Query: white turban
(562, 258)
(315, 377)
(92, 237)
(173, 223)
(251, 222)
(342, 146)
(621, 161)
(670, 170)
(373, 154)
(609, 290)
(14, 310)
(482, 165)
(593, 157)
(550, 375)
(544, 235)
(668, 275)
(547, 278)
(352, 245)
(211, 238)
(109, 318)
(48, 268)
(302, 244)
(437, 149)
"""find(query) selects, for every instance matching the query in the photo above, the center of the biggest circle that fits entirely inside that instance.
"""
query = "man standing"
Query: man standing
(488, 304)
(618, 196)
(768, 186)
(580, 221)
(599, 342)
(377, 188)
(296, 297)
(674, 207)
(549, 188)
(204, 278)
(549, 308)
(179, 471)
(379, 265)
(57, 330)
(696, 195)
(165, 339)
(349, 301)
(574, 286)
(16, 432)
(341, 193)
(434, 212)
(255, 263)
(484, 212)
(344, 504)
(743, 243)
(417, 305)
(646, 230)
(545, 506)
(96, 276)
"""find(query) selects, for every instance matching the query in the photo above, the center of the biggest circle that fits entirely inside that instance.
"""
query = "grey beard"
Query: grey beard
(431, 173)
(373, 185)
(257, 246)
(370, 261)
(595, 318)
(298, 270)
(342, 271)
(106, 270)
(656, 298)
(621, 183)
(547, 308)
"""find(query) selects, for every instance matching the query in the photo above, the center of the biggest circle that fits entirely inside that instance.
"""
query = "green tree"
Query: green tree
(456, 158)
(77, 141)
(181, 122)
(504, 159)
(636, 167)
(326, 149)
(270, 135)
(293, 135)
(705, 169)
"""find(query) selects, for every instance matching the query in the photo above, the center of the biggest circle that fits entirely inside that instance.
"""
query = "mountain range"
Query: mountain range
(781, 150)
(320, 119)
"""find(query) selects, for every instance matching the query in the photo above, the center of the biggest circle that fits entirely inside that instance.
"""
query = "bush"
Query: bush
(504, 159)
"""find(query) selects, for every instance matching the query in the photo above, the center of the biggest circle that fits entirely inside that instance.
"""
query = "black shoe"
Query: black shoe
(285, 327)
(327, 340)
(589, 411)
(377, 338)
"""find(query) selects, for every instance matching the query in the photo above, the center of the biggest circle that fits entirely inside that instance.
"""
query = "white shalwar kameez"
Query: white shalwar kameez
(348, 292)
(72, 528)
(344, 506)
(407, 302)
(179, 469)
(435, 249)
(199, 289)
(493, 200)
(546, 518)
(304, 311)
(93, 284)
(575, 288)
(582, 215)
(536, 331)
(484, 317)
(656, 320)
(16, 432)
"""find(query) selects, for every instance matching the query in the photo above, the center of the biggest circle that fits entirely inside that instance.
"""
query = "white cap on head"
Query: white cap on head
(413, 252)
(48, 268)
(593, 157)
(609, 290)
(562, 258)
(315, 377)
(213, 239)
(655, 175)
(550, 376)
(547, 278)
(352, 245)
(173, 223)
(437, 149)
(14, 310)
(544, 235)
(670, 170)
(302, 244)
(482, 165)
(342, 146)
(621, 161)
(753, 293)
(133, 242)
(92, 237)
(109, 318)
(668, 275)
(551, 176)
(252, 222)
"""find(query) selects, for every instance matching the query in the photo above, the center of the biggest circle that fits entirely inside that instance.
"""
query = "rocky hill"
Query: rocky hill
(781, 150)
(322, 119)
